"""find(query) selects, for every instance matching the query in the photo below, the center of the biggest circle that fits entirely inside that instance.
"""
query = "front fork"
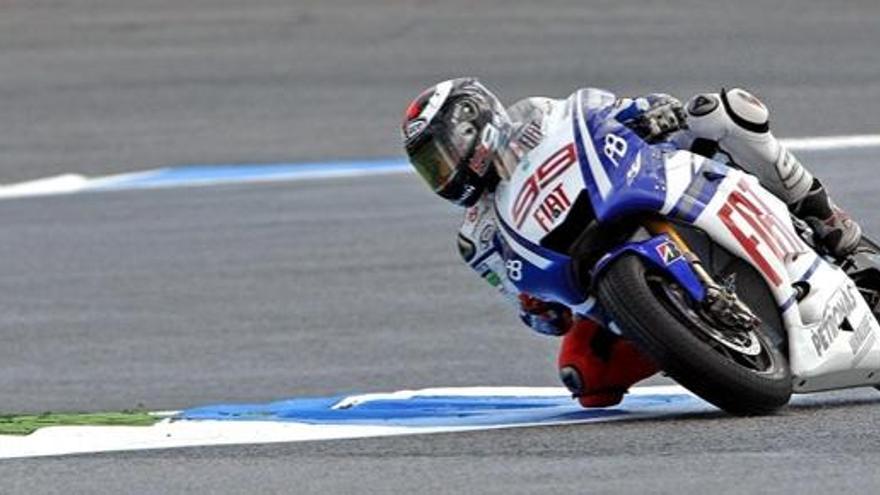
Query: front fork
(721, 302)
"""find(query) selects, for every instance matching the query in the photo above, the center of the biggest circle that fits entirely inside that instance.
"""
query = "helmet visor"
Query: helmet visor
(437, 159)
(434, 163)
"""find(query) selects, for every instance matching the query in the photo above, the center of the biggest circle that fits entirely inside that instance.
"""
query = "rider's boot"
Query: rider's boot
(739, 124)
(598, 367)
(834, 228)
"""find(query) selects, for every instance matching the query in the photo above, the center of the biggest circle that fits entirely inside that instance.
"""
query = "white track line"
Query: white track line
(818, 143)
(59, 184)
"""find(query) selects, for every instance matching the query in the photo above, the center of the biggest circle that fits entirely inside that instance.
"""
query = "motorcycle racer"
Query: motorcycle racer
(463, 141)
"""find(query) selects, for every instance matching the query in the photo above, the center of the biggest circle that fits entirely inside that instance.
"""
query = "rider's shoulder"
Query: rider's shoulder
(538, 107)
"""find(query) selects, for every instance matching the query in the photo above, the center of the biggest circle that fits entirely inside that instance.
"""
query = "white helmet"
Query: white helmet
(452, 134)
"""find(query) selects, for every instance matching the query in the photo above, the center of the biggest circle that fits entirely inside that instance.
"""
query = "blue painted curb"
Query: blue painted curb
(436, 411)
(234, 173)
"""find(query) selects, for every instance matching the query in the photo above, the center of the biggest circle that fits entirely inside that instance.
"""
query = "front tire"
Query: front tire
(656, 313)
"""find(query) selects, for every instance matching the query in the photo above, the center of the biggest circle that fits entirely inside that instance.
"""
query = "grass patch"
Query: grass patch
(26, 424)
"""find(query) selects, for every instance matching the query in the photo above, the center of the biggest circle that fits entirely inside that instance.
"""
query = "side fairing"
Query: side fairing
(831, 331)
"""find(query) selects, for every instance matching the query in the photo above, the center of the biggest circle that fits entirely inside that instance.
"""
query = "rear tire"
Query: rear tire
(656, 314)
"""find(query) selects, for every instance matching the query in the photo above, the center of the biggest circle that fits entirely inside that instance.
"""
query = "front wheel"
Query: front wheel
(739, 371)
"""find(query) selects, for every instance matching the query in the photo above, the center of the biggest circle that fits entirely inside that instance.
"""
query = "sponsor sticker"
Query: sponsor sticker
(668, 252)
(634, 170)
(541, 182)
(702, 105)
(472, 214)
(839, 307)
(862, 339)
(413, 127)
(486, 236)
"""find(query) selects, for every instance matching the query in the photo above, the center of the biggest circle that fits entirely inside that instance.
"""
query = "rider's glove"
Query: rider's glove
(548, 318)
(653, 117)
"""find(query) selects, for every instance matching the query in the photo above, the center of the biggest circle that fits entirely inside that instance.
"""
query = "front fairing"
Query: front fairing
(586, 156)
(623, 174)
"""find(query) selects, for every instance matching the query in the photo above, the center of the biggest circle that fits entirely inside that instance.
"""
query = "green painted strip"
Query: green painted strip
(27, 424)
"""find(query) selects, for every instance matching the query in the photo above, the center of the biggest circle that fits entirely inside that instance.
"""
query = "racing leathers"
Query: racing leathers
(597, 365)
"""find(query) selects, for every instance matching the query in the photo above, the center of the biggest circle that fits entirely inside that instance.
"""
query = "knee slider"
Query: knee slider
(745, 110)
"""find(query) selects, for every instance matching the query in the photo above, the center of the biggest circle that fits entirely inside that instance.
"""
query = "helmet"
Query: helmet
(452, 134)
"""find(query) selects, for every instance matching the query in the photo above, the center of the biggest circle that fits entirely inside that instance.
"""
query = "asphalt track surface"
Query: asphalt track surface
(173, 298)
(112, 85)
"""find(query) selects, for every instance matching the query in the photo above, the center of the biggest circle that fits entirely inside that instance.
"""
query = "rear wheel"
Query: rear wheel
(738, 370)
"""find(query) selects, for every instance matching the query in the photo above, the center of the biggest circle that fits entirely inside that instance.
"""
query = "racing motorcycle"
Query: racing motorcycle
(692, 259)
